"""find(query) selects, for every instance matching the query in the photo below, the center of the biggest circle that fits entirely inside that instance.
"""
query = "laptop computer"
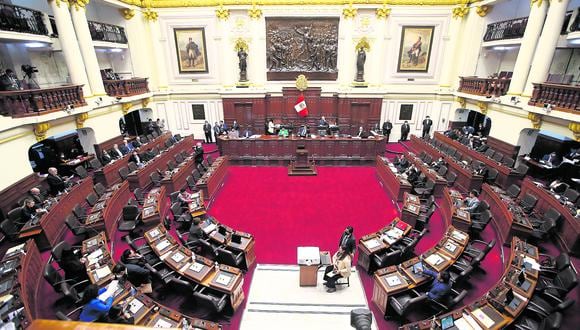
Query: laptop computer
(418, 268)
(237, 239)
(447, 322)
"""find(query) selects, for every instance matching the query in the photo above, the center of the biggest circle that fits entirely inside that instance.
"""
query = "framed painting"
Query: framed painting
(415, 49)
(191, 50)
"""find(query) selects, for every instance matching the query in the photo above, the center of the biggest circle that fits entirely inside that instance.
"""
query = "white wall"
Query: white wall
(120, 62)
(178, 115)
(50, 64)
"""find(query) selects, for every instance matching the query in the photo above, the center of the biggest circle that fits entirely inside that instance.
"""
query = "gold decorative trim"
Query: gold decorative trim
(482, 107)
(364, 44)
(222, 12)
(536, 120)
(81, 118)
(215, 3)
(460, 11)
(538, 2)
(349, 12)
(127, 13)
(40, 131)
(145, 102)
(301, 83)
(78, 4)
(482, 11)
(255, 12)
(383, 12)
(59, 1)
(150, 15)
(462, 102)
(241, 44)
(126, 107)
(575, 128)
(15, 137)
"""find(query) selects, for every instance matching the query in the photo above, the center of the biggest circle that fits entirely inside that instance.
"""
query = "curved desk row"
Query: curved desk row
(213, 178)
(395, 185)
(380, 241)
(440, 182)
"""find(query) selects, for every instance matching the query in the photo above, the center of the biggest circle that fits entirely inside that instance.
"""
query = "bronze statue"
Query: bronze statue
(360, 64)
(242, 56)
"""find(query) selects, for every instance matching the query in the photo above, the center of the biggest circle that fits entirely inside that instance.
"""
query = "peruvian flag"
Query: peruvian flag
(300, 106)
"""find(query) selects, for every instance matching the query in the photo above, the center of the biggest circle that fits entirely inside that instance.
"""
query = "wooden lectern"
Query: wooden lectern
(301, 166)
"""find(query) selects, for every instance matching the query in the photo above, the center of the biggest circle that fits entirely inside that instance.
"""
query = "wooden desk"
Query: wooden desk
(460, 219)
(378, 242)
(114, 208)
(274, 150)
(50, 229)
(176, 179)
(154, 209)
(30, 278)
(569, 232)
(411, 209)
(394, 185)
(440, 182)
(213, 179)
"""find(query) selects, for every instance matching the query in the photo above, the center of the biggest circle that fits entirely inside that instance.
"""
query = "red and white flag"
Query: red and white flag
(300, 106)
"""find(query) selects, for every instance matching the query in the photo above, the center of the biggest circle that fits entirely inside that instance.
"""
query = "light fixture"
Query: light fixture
(35, 45)
(115, 50)
(574, 41)
(502, 47)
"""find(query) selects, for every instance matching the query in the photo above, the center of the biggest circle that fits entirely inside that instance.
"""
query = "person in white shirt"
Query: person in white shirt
(271, 127)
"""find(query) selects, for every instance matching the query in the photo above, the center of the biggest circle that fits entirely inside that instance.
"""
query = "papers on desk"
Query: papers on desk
(434, 259)
(95, 256)
(450, 247)
(154, 233)
(392, 235)
(102, 272)
(196, 267)
(161, 323)
(466, 323)
(388, 239)
(111, 289)
(372, 243)
(531, 263)
(393, 280)
(483, 318)
(134, 306)
(177, 257)
(223, 279)
(162, 245)
(458, 235)
(209, 228)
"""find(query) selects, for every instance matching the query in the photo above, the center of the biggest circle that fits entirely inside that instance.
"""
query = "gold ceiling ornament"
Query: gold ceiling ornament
(460, 11)
(254, 12)
(575, 128)
(241, 44)
(364, 44)
(59, 1)
(383, 12)
(215, 3)
(482, 107)
(222, 12)
(145, 102)
(482, 11)
(301, 83)
(538, 2)
(78, 4)
(350, 11)
(127, 13)
(81, 118)
(40, 131)
(536, 120)
(462, 102)
(126, 107)
(150, 15)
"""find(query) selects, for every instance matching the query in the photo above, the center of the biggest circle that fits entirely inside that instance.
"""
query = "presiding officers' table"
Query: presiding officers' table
(274, 150)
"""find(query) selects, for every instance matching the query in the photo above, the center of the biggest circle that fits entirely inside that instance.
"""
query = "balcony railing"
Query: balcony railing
(511, 29)
(53, 25)
(32, 102)
(107, 32)
(20, 19)
(484, 86)
(560, 97)
(126, 87)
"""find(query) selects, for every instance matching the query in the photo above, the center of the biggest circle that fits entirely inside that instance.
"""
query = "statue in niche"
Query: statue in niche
(242, 56)
(360, 64)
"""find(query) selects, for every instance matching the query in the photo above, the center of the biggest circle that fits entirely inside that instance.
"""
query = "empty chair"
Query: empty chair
(544, 230)
(139, 197)
(403, 303)
(508, 161)
(211, 300)
(155, 179)
(191, 183)
(428, 159)
(123, 173)
(551, 322)
(170, 165)
(513, 191)
(200, 169)
(99, 189)
(178, 159)
(230, 258)
(551, 266)
(550, 214)
(205, 163)
(144, 138)
(442, 170)
(154, 134)
(130, 218)
(60, 285)
(78, 229)
(132, 166)
(422, 155)
(498, 156)
(196, 175)
(384, 259)
(489, 152)
(92, 199)
(451, 178)
(492, 175)
(209, 160)
(56, 251)
(95, 164)
(452, 300)
(425, 191)
(10, 230)
(522, 169)
(528, 202)
(423, 219)
(173, 196)
(79, 212)
(478, 226)
(541, 307)
(168, 143)
(81, 172)
(570, 196)
(150, 137)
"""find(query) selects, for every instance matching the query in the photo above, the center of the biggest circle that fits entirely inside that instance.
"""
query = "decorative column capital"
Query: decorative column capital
(349, 12)
(78, 4)
(461, 100)
(222, 13)
(536, 120)
(363, 44)
(81, 118)
(482, 107)
(255, 12)
(575, 128)
(383, 12)
(482, 11)
(150, 15)
(538, 2)
(57, 2)
(460, 11)
(127, 13)
(241, 44)
(126, 107)
(40, 131)
(145, 102)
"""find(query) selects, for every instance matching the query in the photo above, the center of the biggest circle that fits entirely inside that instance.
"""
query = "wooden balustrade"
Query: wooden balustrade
(561, 97)
(484, 86)
(33, 102)
(126, 87)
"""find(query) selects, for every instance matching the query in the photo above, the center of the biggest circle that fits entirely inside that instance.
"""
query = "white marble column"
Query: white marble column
(473, 31)
(83, 36)
(159, 45)
(70, 46)
(528, 47)
(546, 45)
(449, 67)
(140, 48)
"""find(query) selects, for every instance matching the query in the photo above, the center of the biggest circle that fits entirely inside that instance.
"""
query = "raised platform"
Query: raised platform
(294, 170)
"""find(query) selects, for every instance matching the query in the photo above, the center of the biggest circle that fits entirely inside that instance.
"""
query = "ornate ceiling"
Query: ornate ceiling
(214, 3)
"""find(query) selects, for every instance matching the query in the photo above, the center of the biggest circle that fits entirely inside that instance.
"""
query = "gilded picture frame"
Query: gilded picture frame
(415, 48)
(191, 50)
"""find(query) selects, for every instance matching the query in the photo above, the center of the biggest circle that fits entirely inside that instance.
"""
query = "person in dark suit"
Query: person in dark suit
(131, 257)
(427, 122)
(137, 143)
(37, 197)
(236, 126)
(405, 129)
(412, 174)
(198, 153)
(29, 211)
(224, 128)
(322, 122)
(135, 158)
(73, 266)
(195, 236)
(55, 182)
(116, 153)
(347, 241)
(118, 316)
(552, 159)
(216, 131)
(247, 133)
(105, 157)
(362, 133)
(207, 132)
(135, 274)
(303, 131)
(482, 147)
(387, 127)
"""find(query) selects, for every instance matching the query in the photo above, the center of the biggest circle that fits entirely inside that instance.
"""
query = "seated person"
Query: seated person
(37, 197)
(362, 133)
(116, 153)
(440, 287)
(340, 268)
(29, 211)
(471, 202)
(402, 163)
(137, 143)
(482, 170)
(135, 158)
(482, 147)
(303, 131)
(148, 155)
(412, 174)
(557, 186)
(283, 132)
(127, 146)
(56, 183)
(436, 165)
(195, 235)
(247, 133)
(73, 266)
(184, 198)
(551, 159)
(138, 276)
(198, 153)
(131, 257)
(94, 308)
(105, 157)
(117, 315)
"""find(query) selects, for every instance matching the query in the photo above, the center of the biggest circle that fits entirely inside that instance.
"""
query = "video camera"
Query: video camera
(28, 70)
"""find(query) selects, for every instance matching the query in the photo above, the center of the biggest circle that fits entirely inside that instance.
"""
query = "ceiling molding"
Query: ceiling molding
(215, 3)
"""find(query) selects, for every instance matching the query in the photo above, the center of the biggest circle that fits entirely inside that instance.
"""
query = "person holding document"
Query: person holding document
(95, 308)
(341, 263)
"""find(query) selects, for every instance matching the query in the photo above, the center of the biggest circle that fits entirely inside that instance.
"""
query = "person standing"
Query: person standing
(347, 241)
(387, 127)
(216, 131)
(427, 122)
(271, 127)
(207, 132)
(405, 129)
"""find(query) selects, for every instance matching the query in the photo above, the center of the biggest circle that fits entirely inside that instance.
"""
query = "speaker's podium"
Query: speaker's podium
(310, 258)
(301, 166)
